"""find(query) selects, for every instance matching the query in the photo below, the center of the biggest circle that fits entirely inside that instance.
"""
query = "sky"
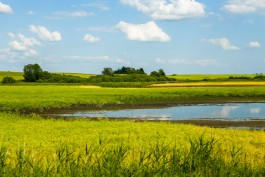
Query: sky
(179, 36)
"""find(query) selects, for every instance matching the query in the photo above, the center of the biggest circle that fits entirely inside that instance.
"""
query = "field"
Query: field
(200, 77)
(15, 75)
(210, 84)
(23, 98)
(33, 146)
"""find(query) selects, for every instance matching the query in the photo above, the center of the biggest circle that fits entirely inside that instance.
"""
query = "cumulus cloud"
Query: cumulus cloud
(223, 42)
(90, 38)
(45, 34)
(5, 9)
(28, 41)
(245, 6)
(168, 10)
(143, 32)
(24, 44)
(254, 44)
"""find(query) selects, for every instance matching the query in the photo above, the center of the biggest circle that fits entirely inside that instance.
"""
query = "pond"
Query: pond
(236, 113)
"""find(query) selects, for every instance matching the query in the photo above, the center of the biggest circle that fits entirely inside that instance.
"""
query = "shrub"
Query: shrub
(57, 78)
(8, 80)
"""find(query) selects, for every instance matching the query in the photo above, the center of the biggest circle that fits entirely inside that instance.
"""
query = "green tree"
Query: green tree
(8, 80)
(108, 71)
(32, 72)
(161, 72)
(154, 73)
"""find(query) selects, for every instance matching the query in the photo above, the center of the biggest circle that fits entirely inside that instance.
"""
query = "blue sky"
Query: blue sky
(180, 36)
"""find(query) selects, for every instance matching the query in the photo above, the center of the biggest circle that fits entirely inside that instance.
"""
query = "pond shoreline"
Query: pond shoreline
(216, 122)
(141, 106)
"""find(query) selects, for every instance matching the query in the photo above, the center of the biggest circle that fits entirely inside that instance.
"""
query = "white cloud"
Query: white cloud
(223, 42)
(76, 14)
(18, 46)
(11, 35)
(164, 10)
(207, 62)
(160, 61)
(101, 6)
(28, 41)
(24, 44)
(245, 6)
(45, 34)
(180, 61)
(143, 32)
(254, 44)
(90, 38)
(31, 53)
(31, 13)
(6, 9)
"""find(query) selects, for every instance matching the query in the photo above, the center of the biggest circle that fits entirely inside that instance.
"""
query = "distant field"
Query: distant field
(207, 76)
(210, 84)
(19, 75)
(197, 77)
(78, 74)
(15, 75)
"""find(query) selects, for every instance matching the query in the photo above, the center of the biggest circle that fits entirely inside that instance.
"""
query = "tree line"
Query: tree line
(34, 73)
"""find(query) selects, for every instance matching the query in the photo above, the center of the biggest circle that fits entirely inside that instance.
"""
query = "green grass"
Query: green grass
(31, 146)
(15, 75)
(200, 77)
(19, 98)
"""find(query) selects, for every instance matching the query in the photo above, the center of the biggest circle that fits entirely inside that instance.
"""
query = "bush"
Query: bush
(128, 78)
(57, 78)
(8, 80)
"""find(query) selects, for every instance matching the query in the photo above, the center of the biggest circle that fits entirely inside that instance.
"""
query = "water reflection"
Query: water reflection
(244, 111)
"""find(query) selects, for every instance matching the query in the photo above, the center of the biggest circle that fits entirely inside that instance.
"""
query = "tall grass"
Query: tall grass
(29, 142)
(202, 158)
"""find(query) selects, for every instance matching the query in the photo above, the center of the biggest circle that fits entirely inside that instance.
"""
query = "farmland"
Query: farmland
(34, 146)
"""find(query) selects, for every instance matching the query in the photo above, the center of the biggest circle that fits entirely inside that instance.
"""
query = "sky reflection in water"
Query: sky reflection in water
(235, 111)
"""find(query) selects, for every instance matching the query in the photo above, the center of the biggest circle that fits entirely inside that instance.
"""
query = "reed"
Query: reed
(200, 159)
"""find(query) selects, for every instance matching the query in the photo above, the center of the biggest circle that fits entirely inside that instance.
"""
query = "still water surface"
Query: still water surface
(232, 111)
